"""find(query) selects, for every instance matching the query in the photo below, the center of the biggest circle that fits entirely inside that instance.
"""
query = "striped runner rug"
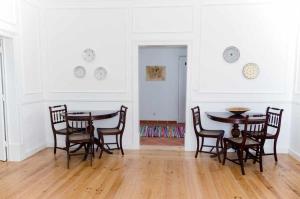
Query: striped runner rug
(174, 131)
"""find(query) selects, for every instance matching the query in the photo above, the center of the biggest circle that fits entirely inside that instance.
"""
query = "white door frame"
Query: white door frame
(135, 84)
(3, 100)
(180, 83)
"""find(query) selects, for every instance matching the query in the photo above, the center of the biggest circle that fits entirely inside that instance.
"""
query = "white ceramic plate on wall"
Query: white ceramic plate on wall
(88, 55)
(100, 73)
(251, 71)
(79, 71)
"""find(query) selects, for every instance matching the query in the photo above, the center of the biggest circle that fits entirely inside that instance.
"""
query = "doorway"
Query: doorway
(162, 94)
(3, 132)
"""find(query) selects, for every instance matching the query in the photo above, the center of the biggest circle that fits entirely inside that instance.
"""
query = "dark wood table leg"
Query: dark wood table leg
(235, 132)
(101, 145)
(97, 141)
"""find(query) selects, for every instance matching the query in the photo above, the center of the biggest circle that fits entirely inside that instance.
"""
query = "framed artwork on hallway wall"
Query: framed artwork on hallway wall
(155, 73)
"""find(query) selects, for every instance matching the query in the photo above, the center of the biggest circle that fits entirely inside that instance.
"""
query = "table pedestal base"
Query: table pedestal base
(235, 132)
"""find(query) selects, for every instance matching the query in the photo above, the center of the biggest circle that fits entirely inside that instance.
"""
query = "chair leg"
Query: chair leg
(197, 150)
(217, 149)
(117, 141)
(55, 143)
(256, 155)
(275, 150)
(202, 142)
(221, 141)
(91, 154)
(121, 145)
(101, 152)
(102, 142)
(260, 158)
(224, 152)
(68, 154)
(247, 155)
(93, 149)
(240, 156)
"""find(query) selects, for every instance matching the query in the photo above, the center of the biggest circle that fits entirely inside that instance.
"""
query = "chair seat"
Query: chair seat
(212, 133)
(108, 131)
(258, 134)
(61, 131)
(64, 130)
(239, 140)
(79, 137)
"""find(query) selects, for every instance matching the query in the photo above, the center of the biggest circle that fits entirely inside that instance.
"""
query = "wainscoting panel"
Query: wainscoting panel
(162, 19)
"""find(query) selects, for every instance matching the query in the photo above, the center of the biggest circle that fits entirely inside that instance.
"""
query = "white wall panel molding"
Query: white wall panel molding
(59, 4)
(8, 12)
(8, 17)
(32, 119)
(88, 96)
(296, 102)
(212, 45)
(91, 91)
(297, 65)
(235, 2)
(109, 42)
(154, 19)
(286, 102)
(14, 151)
(32, 102)
(237, 92)
(30, 44)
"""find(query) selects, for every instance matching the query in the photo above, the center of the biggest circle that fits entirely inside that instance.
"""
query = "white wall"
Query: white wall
(295, 128)
(117, 29)
(159, 99)
(8, 17)
(50, 35)
(21, 29)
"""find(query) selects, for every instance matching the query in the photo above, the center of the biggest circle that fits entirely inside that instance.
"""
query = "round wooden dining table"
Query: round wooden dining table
(235, 119)
(96, 115)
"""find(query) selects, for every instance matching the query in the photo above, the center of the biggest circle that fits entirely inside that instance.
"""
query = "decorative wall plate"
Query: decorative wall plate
(251, 71)
(100, 73)
(88, 55)
(231, 54)
(79, 71)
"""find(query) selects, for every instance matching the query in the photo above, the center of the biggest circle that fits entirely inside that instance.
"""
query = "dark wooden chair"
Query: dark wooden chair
(57, 119)
(203, 133)
(273, 128)
(116, 131)
(80, 131)
(256, 125)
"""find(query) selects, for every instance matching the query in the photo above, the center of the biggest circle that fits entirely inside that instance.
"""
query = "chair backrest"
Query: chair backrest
(57, 114)
(274, 121)
(79, 122)
(122, 118)
(197, 119)
(255, 125)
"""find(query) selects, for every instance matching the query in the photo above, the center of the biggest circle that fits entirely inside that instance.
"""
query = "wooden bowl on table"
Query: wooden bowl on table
(238, 110)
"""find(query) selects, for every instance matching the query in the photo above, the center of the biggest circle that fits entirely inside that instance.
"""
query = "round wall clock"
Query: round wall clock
(251, 71)
(100, 73)
(88, 55)
(231, 54)
(79, 71)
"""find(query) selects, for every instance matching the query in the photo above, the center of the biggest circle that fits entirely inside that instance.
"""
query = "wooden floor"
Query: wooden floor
(147, 174)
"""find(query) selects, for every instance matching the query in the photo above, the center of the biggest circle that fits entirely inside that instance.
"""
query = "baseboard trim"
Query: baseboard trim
(33, 151)
(294, 154)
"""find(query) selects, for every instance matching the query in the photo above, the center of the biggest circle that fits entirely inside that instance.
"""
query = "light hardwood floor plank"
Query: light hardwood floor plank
(147, 174)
